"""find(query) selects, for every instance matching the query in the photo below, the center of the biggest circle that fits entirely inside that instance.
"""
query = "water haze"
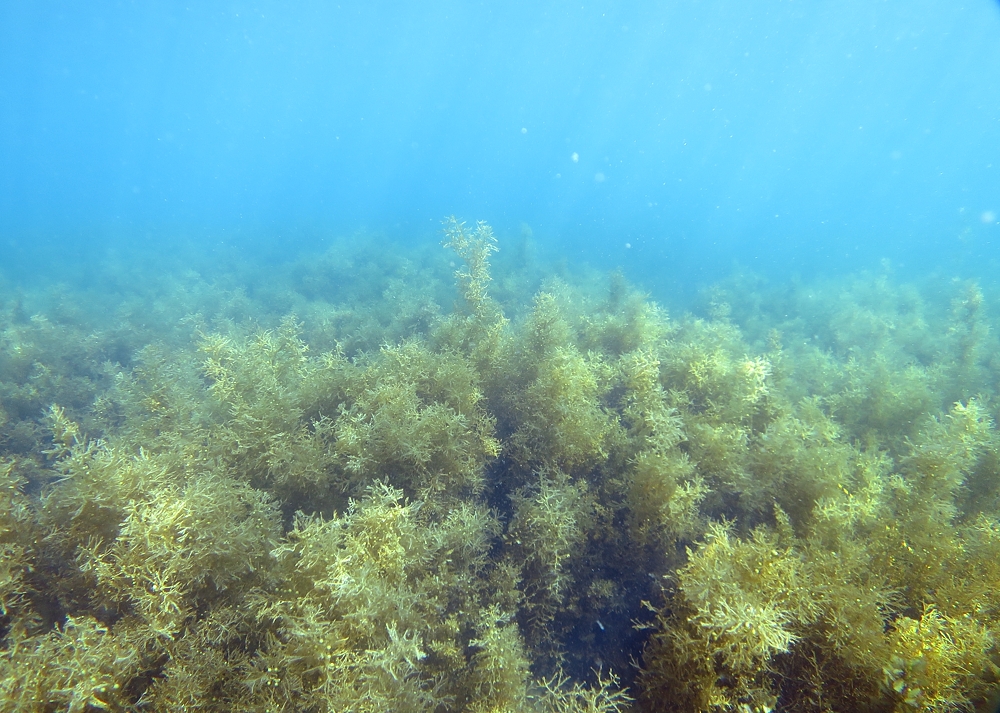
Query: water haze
(674, 139)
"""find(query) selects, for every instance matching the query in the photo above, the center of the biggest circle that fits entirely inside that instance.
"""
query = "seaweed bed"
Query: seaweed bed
(328, 493)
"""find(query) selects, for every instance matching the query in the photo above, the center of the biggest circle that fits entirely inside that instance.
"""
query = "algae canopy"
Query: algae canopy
(549, 496)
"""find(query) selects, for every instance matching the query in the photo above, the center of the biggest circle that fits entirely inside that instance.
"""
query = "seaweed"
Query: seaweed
(326, 492)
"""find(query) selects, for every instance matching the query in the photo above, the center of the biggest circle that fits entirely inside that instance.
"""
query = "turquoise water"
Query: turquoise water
(783, 136)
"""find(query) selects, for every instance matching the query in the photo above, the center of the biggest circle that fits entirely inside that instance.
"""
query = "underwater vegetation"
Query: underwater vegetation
(324, 495)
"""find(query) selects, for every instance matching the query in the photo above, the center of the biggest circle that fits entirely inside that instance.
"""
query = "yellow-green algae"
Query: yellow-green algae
(333, 495)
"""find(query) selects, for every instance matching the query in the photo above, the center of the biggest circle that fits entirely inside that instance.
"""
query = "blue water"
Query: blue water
(675, 139)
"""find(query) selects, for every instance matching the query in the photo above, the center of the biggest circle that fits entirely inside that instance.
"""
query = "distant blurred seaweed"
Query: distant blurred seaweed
(326, 496)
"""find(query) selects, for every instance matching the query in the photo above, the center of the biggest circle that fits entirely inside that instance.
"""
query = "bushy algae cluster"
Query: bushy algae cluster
(583, 505)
